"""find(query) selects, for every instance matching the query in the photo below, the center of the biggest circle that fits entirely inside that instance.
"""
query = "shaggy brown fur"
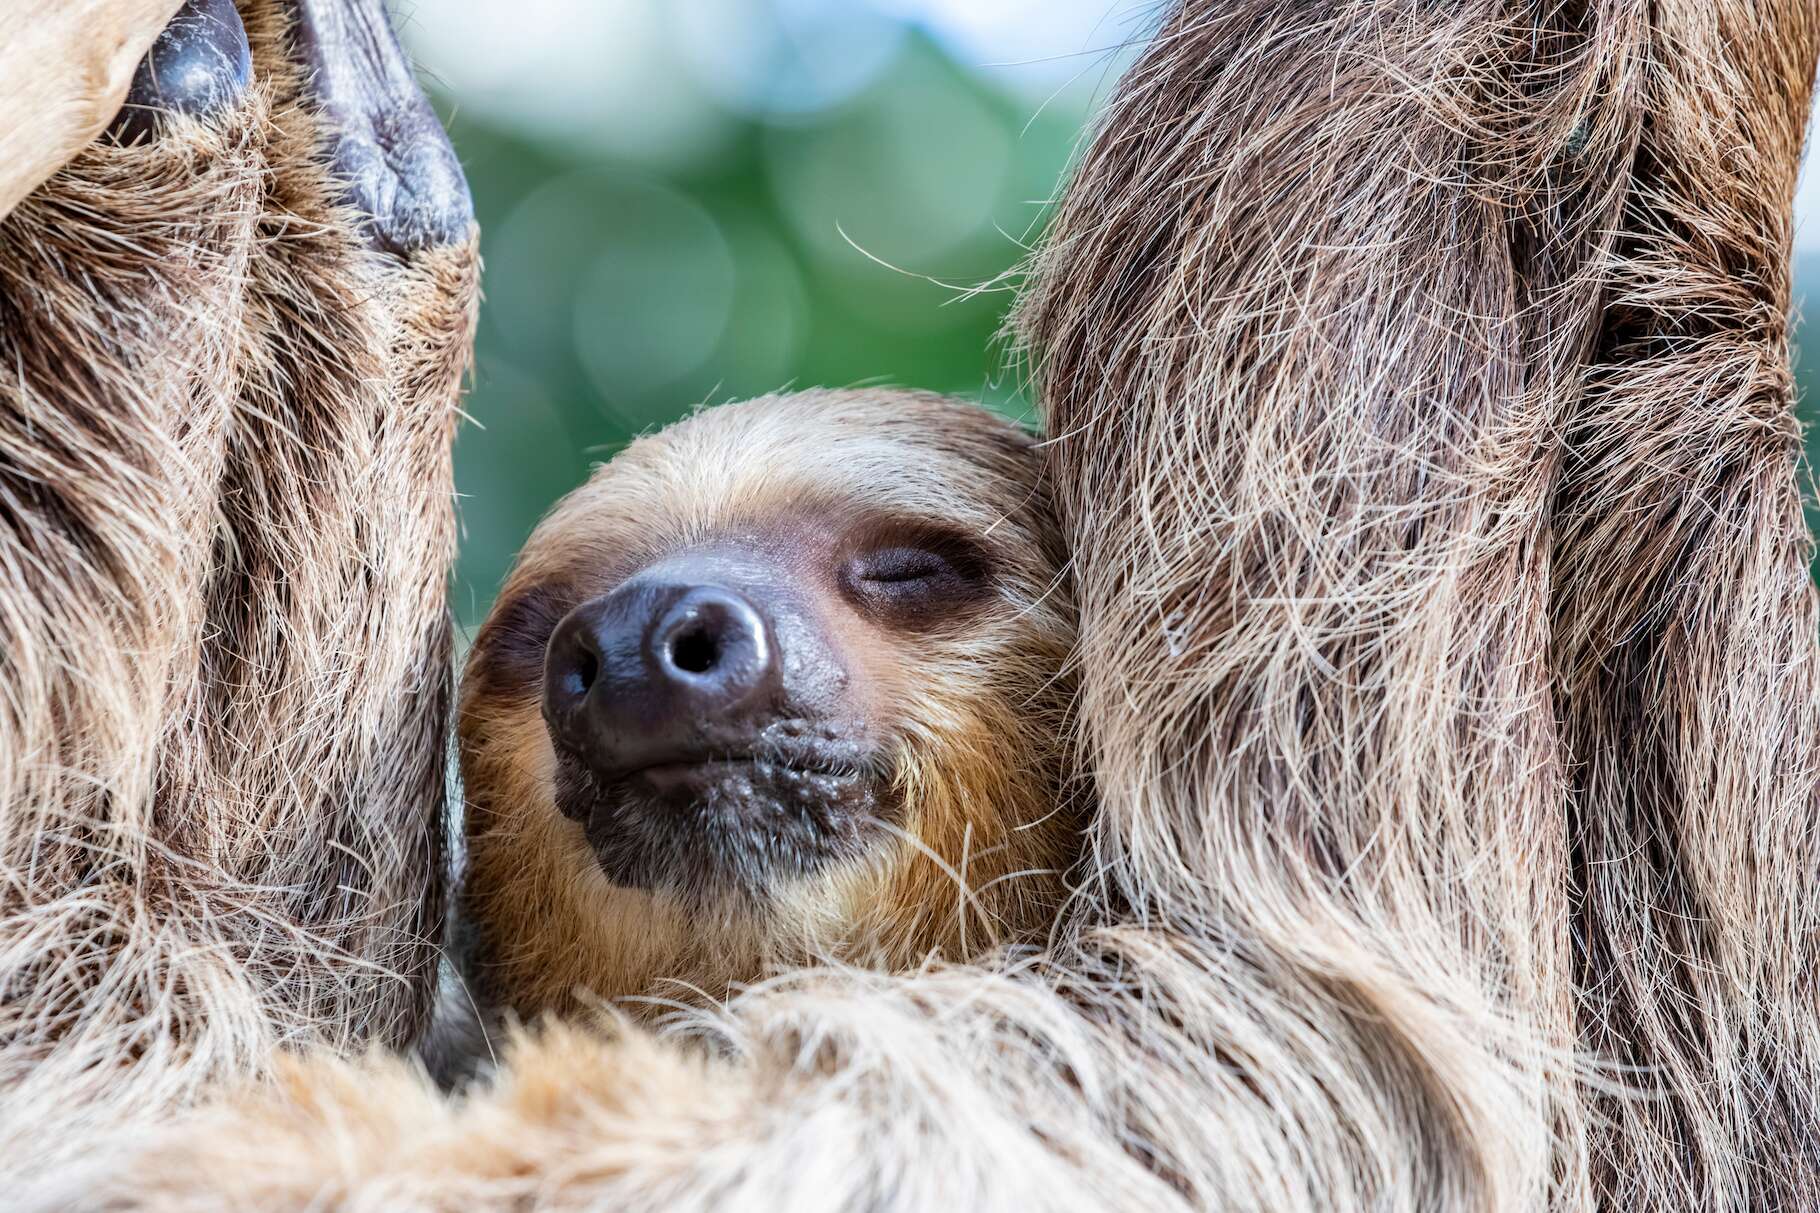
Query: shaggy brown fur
(326, 697)
(225, 535)
(973, 712)
(1684, 637)
(1420, 407)
(1308, 351)
(121, 295)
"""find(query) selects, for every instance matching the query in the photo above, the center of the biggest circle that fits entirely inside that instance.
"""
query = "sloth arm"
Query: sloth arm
(65, 67)
(956, 1088)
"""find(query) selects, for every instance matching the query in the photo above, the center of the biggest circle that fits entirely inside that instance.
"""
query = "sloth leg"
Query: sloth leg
(225, 527)
(329, 661)
(1306, 393)
(958, 1089)
(1687, 643)
(122, 282)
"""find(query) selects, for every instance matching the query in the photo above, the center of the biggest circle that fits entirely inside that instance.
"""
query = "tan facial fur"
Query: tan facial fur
(968, 708)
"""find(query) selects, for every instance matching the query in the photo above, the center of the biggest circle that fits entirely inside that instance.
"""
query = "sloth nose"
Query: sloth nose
(658, 673)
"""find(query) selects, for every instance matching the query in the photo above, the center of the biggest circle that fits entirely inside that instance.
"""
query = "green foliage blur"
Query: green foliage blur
(833, 246)
(1807, 380)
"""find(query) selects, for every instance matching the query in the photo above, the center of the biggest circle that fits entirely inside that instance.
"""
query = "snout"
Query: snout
(653, 674)
(707, 733)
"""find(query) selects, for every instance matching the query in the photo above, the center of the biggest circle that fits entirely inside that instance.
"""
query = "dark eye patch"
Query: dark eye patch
(513, 640)
(917, 575)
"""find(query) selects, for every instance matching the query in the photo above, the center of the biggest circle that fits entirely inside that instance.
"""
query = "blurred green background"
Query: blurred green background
(687, 201)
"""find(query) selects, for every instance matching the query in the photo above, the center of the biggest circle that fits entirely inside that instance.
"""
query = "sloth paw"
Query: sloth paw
(390, 150)
(200, 64)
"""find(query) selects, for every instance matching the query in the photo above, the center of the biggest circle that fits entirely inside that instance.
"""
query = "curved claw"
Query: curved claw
(390, 149)
(200, 64)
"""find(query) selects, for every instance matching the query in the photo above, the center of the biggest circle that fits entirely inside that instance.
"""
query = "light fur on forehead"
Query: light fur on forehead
(748, 465)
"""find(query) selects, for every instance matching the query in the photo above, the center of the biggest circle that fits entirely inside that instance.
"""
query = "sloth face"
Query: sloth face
(714, 727)
(783, 681)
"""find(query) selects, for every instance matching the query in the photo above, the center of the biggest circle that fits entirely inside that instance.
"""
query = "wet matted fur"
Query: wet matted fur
(225, 532)
(1457, 751)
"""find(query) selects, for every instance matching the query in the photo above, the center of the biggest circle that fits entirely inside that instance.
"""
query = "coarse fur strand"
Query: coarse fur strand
(1379, 341)
(121, 288)
(1684, 642)
(226, 530)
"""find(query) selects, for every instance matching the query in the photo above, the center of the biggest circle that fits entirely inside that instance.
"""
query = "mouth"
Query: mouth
(728, 823)
(702, 776)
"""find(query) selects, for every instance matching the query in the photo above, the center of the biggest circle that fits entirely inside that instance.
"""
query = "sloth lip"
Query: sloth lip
(789, 749)
(682, 774)
(819, 763)
(736, 761)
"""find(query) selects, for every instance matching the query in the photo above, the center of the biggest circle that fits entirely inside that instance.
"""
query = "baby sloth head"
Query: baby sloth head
(782, 682)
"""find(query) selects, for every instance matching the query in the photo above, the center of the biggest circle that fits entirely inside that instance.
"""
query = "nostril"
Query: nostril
(587, 669)
(695, 650)
(572, 664)
(712, 646)
(578, 677)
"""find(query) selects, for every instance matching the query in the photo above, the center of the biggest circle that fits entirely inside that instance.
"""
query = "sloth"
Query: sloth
(784, 681)
(1448, 672)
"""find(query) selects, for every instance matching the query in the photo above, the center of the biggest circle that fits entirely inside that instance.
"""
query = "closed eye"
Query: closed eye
(897, 566)
(917, 584)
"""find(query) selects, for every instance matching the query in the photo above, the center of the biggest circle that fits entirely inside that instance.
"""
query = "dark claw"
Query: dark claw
(390, 148)
(200, 64)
